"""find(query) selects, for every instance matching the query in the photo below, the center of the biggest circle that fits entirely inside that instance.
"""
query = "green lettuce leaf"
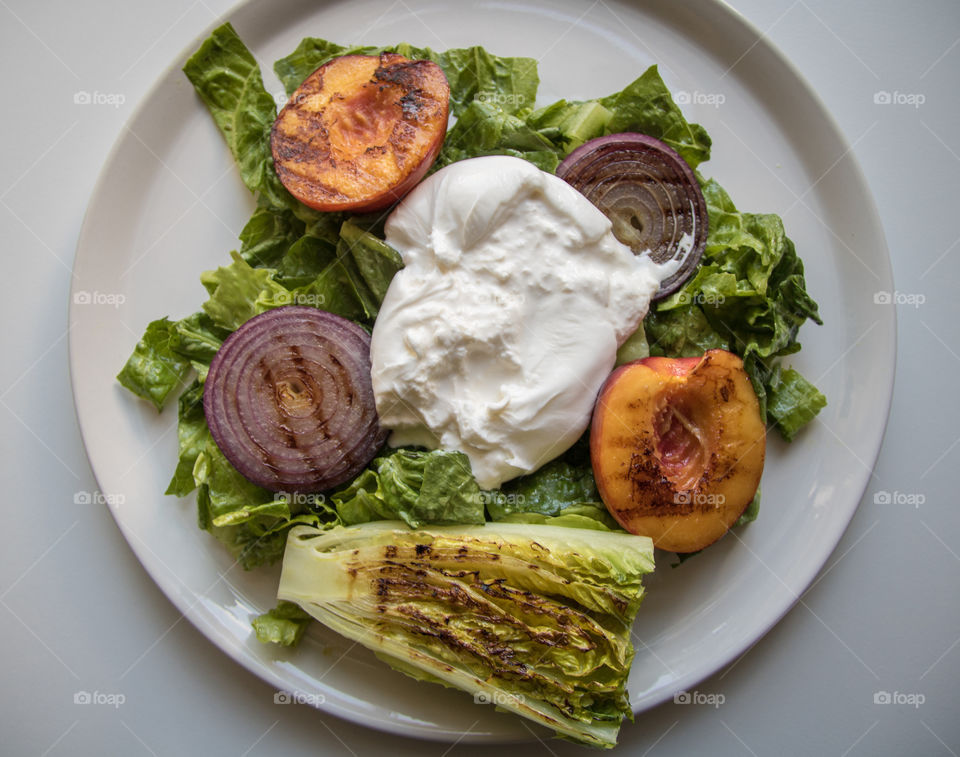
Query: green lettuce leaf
(268, 235)
(192, 437)
(376, 261)
(154, 370)
(163, 356)
(749, 281)
(285, 624)
(228, 490)
(792, 401)
(255, 542)
(568, 124)
(352, 279)
(304, 260)
(485, 129)
(591, 516)
(197, 338)
(749, 296)
(556, 485)
(250, 521)
(682, 332)
(337, 289)
(415, 486)
(635, 348)
(236, 291)
(476, 75)
(750, 514)
(561, 493)
(645, 105)
(227, 78)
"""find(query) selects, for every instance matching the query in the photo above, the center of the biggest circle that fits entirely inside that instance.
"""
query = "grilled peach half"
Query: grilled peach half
(361, 131)
(677, 447)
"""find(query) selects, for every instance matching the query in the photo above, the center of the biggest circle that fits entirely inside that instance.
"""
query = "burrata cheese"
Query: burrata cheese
(497, 334)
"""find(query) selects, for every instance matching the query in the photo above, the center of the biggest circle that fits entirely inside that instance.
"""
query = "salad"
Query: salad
(520, 590)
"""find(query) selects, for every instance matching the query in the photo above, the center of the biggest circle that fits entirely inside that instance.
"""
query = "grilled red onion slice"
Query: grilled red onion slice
(649, 193)
(289, 401)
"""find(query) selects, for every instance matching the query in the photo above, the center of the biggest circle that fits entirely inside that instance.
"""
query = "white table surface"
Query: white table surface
(78, 613)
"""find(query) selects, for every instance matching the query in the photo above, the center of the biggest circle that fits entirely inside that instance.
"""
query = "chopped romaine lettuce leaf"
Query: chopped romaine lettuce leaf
(556, 485)
(485, 129)
(415, 486)
(593, 516)
(192, 437)
(268, 235)
(477, 76)
(376, 261)
(645, 106)
(753, 509)
(635, 348)
(251, 522)
(792, 401)
(235, 291)
(338, 289)
(304, 260)
(228, 491)
(749, 296)
(154, 370)
(284, 624)
(227, 78)
(682, 332)
(197, 338)
(570, 124)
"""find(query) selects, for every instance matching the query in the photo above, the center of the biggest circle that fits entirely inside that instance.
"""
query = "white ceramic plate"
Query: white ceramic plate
(169, 205)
